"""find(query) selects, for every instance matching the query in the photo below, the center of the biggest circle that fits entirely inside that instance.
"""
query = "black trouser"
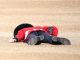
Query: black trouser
(43, 36)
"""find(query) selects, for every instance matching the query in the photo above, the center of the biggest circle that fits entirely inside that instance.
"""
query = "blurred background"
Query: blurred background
(65, 14)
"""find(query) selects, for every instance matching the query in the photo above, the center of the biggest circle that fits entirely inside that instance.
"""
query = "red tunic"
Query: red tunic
(22, 34)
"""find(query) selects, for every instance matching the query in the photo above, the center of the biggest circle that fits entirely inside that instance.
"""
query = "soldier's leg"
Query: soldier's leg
(61, 41)
(32, 38)
(46, 38)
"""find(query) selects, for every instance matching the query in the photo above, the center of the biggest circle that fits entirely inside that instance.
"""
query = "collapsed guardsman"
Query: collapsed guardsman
(34, 35)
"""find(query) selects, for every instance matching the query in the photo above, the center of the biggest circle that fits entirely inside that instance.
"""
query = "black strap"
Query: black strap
(50, 29)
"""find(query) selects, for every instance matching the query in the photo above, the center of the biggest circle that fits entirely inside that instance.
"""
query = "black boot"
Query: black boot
(60, 41)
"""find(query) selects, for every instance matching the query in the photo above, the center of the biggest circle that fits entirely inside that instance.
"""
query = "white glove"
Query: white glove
(12, 40)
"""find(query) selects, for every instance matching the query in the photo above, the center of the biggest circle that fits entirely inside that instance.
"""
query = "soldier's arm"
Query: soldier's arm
(18, 37)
